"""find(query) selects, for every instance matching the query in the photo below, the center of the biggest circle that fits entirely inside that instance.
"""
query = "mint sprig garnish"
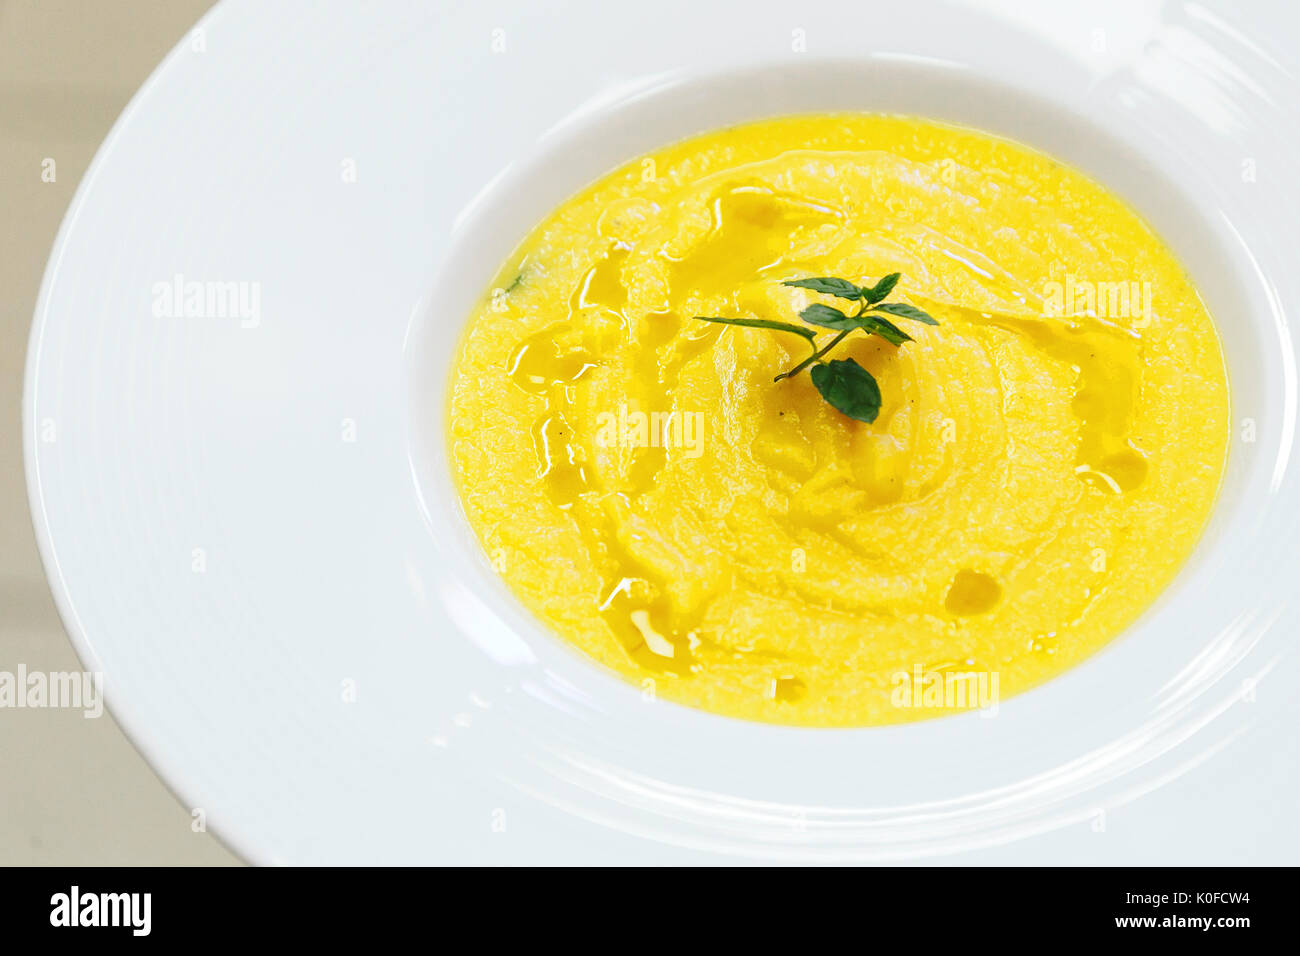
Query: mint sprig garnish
(847, 386)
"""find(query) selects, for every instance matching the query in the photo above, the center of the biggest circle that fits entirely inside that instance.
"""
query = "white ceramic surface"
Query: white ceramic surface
(249, 526)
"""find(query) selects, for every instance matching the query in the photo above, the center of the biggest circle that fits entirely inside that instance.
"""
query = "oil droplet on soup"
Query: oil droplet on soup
(972, 592)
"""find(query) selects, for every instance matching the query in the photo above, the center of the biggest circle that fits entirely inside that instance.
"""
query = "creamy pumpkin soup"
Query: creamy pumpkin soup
(908, 525)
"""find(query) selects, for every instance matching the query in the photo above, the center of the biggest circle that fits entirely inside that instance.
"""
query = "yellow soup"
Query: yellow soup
(1043, 460)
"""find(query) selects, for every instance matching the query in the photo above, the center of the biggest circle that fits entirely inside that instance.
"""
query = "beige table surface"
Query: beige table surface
(72, 790)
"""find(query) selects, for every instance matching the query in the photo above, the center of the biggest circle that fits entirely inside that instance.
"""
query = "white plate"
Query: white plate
(243, 521)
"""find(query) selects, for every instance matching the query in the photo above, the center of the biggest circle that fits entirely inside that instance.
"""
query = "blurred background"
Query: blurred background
(73, 791)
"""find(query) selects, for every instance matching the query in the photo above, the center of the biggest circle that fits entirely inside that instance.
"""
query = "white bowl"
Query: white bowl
(250, 528)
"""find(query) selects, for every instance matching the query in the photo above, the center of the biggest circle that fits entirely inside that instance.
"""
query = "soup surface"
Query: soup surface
(1043, 461)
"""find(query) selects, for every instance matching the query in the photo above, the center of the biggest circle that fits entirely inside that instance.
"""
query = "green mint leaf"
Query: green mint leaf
(801, 330)
(849, 388)
(905, 311)
(885, 329)
(828, 318)
(828, 285)
(881, 289)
